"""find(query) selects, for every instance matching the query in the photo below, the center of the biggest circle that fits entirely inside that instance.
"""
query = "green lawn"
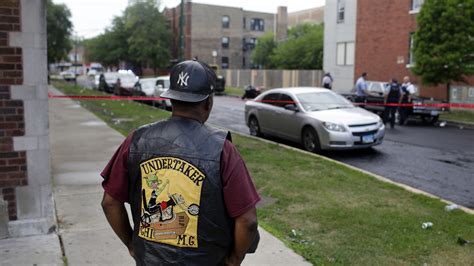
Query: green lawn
(234, 91)
(459, 115)
(332, 214)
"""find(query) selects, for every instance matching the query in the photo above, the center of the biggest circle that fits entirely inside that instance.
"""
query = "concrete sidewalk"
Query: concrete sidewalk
(81, 145)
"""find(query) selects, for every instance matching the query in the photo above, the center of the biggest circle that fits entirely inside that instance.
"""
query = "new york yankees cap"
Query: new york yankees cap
(190, 81)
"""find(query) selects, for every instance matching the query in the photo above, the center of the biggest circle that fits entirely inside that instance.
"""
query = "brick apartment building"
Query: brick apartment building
(26, 206)
(223, 35)
(375, 36)
(310, 16)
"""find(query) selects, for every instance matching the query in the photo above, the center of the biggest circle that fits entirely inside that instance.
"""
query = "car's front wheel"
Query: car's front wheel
(310, 140)
(254, 127)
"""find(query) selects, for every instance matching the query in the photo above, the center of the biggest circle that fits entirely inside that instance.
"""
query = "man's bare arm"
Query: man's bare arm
(117, 217)
(245, 230)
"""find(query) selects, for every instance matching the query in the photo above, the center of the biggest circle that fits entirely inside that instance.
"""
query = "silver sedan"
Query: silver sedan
(318, 118)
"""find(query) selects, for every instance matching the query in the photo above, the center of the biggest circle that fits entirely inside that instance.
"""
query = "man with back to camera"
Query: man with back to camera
(191, 196)
(392, 100)
(361, 89)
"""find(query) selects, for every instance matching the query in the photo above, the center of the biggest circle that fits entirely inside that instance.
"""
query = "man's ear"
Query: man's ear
(209, 103)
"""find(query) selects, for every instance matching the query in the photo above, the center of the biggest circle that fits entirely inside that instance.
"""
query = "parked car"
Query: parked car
(145, 87)
(162, 84)
(107, 81)
(95, 83)
(318, 118)
(220, 81)
(125, 83)
(68, 75)
(377, 90)
(119, 83)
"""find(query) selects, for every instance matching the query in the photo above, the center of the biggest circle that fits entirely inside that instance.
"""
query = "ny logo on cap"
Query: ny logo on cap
(183, 79)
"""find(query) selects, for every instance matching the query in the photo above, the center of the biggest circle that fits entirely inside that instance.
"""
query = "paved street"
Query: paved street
(438, 160)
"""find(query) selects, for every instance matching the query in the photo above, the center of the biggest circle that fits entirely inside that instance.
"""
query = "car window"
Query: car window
(163, 82)
(285, 99)
(271, 99)
(316, 101)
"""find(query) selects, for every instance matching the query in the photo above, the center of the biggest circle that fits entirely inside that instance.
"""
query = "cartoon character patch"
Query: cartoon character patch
(171, 191)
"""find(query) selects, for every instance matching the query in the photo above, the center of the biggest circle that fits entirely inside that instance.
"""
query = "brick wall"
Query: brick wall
(382, 43)
(12, 163)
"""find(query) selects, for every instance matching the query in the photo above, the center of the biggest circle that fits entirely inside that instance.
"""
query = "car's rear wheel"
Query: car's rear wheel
(310, 140)
(254, 127)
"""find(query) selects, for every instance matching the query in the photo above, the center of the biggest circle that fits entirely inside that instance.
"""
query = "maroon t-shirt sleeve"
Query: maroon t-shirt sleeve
(240, 194)
(115, 174)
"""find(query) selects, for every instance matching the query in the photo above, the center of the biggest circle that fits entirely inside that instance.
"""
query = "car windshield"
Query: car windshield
(317, 101)
(147, 84)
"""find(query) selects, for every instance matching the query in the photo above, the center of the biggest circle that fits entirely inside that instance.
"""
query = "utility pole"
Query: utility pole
(75, 60)
(181, 31)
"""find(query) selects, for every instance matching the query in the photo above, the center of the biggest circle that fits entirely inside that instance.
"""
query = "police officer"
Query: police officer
(392, 99)
(191, 196)
(408, 90)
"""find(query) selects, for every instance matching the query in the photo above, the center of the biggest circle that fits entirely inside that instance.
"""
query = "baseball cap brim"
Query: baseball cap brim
(183, 96)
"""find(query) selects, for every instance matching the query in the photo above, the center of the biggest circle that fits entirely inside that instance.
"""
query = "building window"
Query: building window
(411, 59)
(341, 7)
(244, 21)
(225, 22)
(225, 62)
(257, 24)
(345, 54)
(416, 4)
(225, 42)
(251, 43)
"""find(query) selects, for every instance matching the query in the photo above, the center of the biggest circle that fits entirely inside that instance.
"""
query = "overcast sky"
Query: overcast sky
(91, 17)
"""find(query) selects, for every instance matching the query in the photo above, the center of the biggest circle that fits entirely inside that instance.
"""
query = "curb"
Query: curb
(458, 124)
(378, 177)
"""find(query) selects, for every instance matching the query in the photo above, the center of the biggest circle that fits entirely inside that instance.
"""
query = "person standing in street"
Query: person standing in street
(408, 90)
(191, 197)
(392, 99)
(361, 89)
(327, 81)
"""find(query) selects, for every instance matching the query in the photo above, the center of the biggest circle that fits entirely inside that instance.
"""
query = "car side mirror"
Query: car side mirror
(291, 107)
(160, 86)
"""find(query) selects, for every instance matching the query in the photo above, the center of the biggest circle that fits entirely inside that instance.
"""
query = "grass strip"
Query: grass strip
(234, 91)
(459, 116)
(333, 214)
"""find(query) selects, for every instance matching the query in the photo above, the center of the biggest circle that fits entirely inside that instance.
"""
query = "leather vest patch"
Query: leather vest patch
(171, 193)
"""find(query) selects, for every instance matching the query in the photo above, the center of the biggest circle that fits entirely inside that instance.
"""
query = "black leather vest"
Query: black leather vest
(176, 194)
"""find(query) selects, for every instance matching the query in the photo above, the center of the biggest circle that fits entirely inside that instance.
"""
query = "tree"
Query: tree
(444, 42)
(149, 40)
(302, 50)
(59, 28)
(109, 48)
(263, 51)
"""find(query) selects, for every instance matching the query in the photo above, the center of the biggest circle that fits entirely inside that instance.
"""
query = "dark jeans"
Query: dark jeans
(389, 115)
(360, 100)
(404, 113)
